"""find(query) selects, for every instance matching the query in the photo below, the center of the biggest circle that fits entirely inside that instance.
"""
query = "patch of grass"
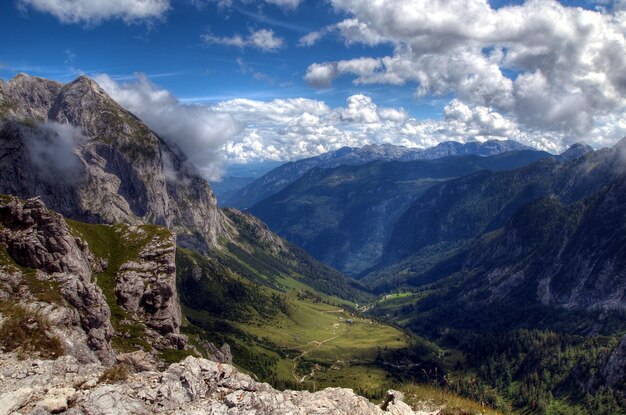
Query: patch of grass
(43, 290)
(27, 333)
(428, 397)
(114, 374)
(175, 355)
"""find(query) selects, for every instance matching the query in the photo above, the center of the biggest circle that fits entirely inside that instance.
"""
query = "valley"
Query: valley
(485, 275)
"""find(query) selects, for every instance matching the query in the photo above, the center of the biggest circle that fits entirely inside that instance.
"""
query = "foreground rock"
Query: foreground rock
(193, 386)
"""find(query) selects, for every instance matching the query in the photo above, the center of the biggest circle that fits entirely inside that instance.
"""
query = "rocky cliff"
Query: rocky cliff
(46, 272)
(63, 297)
(91, 160)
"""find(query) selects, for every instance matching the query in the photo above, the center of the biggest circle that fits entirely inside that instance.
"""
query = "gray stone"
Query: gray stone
(14, 400)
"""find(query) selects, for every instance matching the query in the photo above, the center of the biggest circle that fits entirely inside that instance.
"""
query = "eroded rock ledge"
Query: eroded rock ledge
(193, 386)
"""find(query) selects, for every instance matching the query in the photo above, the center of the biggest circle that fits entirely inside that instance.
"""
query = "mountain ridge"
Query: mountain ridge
(324, 210)
(278, 178)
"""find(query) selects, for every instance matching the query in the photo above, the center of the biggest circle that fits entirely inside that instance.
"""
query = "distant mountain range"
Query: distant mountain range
(344, 216)
(280, 177)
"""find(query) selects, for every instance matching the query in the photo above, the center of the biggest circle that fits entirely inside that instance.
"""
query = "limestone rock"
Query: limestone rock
(146, 288)
(38, 238)
(14, 400)
(193, 386)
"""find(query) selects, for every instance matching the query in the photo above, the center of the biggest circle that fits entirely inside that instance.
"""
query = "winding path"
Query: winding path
(318, 344)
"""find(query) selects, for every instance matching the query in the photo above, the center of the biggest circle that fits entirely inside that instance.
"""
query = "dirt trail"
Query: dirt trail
(318, 344)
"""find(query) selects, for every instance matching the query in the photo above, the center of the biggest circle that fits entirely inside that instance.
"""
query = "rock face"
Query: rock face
(39, 239)
(91, 160)
(146, 287)
(193, 386)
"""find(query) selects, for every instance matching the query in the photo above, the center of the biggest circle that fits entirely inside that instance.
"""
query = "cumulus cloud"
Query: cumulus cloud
(544, 65)
(321, 75)
(263, 39)
(351, 30)
(51, 148)
(198, 131)
(296, 128)
(94, 11)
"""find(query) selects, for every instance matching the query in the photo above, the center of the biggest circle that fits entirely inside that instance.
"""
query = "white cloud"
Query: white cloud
(297, 128)
(321, 75)
(199, 131)
(543, 65)
(94, 11)
(360, 109)
(351, 30)
(289, 4)
(310, 38)
(243, 130)
(263, 39)
(51, 148)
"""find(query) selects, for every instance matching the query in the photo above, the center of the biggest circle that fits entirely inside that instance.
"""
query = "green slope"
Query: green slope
(285, 315)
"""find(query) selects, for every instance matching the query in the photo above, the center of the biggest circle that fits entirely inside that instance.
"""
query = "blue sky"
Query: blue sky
(170, 51)
(284, 79)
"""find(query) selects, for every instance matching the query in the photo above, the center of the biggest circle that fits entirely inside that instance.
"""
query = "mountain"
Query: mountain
(282, 176)
(575, 151)
(522, 273)
(325, 210)
(543, 237)
(92, 160)
(122, 195)
(472, 205)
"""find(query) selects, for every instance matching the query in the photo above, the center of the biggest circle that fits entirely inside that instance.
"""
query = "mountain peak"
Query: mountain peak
(84, 84)
(575, 151)
(32, 95)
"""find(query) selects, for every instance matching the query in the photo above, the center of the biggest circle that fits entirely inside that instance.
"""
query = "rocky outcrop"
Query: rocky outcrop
(31, 96)
(146, 287)
(614, 371)
(108, 167)
(48, 269)
(193, 386)
(40, 240)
